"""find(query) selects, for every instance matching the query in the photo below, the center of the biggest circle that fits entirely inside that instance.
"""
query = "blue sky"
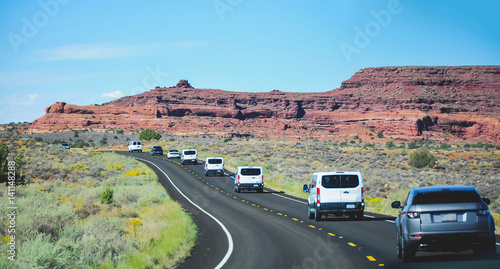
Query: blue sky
(88, 52)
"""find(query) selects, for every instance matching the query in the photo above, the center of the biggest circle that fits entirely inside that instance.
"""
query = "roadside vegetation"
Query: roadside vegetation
(85, 208)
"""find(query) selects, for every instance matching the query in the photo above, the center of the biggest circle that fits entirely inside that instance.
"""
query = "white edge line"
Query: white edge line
(228, 234)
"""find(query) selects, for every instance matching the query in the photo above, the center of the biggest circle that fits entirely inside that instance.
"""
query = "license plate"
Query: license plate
(255, 185)
(449, 217)
(350, 206)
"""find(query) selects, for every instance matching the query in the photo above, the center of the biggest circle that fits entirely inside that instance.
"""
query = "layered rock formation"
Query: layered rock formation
(462, 101)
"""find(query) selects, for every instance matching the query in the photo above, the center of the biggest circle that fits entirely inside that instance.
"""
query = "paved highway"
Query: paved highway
(271, 230)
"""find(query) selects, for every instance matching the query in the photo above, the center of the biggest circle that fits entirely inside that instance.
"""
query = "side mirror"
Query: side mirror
(396, 204)
(233, 175)
(306, 188)
(486, 201)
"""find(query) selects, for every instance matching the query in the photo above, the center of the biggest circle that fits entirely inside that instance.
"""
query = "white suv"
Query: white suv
(135, 146)
(189, 156)
(335, 193)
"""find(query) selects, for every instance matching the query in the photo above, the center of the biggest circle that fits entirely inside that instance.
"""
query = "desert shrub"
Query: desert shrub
(421, 158)
(103, 141)
(380, 135)
(149, 134)
(444, 146)
(78, 167)
(107, 196)
(390, 145)
(79, 143)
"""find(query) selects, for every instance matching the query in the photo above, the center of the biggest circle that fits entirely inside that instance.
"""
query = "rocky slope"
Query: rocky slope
(440, 103)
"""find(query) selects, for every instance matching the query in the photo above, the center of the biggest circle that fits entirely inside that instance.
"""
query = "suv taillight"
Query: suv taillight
(413, 215)
(362, 194)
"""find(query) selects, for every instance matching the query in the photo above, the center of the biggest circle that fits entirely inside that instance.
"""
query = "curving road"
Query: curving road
(271, 230)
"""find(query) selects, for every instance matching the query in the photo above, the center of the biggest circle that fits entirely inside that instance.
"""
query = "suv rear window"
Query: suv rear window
(156, 148)
(214, 161)
(190, 152)
(250, 171)
(446, 197)
(340, 181)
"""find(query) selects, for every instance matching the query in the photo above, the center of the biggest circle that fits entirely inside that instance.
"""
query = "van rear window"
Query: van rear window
(446, 197)
(214, 161)
(340, 181)
(190, 152)
(250, 171)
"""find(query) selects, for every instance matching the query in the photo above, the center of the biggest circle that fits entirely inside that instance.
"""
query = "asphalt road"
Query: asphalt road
(271, 230)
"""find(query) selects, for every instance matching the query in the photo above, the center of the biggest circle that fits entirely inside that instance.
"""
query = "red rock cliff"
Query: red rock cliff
(461, 101)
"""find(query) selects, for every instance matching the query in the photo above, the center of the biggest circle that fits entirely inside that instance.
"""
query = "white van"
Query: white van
(249, 178)
(335, 193)
(189, 156)
(135, 146)
(214, 165)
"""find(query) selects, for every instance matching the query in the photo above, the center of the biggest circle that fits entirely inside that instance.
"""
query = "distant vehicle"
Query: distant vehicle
(249, 178)
(335, 193)
(214, 165)
(156, 150)
(65, 145)
(189, 156)
(135, 146)
(173, 153)
(444, 218)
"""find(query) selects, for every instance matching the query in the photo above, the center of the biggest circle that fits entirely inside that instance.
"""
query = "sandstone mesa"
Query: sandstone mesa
(462, 101)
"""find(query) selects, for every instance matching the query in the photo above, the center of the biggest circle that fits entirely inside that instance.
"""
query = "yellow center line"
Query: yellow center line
(265, 209)
(351, 244)
(370, 258)
(331, 234)
(295, 219)
(280, 214)
(312, 226)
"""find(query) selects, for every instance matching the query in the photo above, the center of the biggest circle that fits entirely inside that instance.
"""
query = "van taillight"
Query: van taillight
(318, 192)
(362, 194)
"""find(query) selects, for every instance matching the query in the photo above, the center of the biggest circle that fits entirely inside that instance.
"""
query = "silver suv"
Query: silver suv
(444, 218)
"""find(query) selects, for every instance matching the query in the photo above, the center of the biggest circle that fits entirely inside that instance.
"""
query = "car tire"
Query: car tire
(317, 215)
(399, 249)
(486, 248)
(407, 252)
(360, 215)
(311, 215)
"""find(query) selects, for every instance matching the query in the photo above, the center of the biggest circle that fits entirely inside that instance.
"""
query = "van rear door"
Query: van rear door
(350, 189)
(330, 193)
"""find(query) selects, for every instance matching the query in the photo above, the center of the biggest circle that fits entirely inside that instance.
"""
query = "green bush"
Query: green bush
(444, 146)
(380, 135)
(421, 158)
(107, 196)
(390, 145)
(149, 134)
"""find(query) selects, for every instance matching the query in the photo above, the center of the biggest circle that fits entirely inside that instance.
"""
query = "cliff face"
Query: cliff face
(461, 101)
